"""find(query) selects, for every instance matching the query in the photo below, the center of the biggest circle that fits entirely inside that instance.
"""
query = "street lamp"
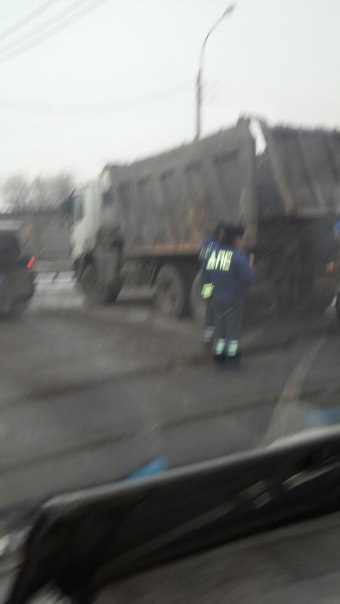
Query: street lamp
(229, 11)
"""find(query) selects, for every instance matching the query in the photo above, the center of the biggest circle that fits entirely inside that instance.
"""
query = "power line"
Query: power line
(95, 108)
(27, 36)
(27, 19)
(51, 32)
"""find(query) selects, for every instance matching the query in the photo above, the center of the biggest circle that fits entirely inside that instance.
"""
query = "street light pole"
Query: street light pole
(199, 81)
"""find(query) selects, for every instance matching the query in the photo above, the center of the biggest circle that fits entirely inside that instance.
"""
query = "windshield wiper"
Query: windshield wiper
(83, 541)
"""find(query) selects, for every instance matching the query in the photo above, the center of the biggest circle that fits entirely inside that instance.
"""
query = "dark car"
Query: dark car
(16, 275)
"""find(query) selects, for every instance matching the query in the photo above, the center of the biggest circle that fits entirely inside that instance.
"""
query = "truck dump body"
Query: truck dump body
(301, 169)
(165, 204)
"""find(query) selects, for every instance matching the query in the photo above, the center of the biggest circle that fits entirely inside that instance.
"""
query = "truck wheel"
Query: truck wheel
(172, 292)
(197, 304)
(321, 298)
(93, 290)
(337, 307)
(294, 291)
(18, 308)
(111, 294)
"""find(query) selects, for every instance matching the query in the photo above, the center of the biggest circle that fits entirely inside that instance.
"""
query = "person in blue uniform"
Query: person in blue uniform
(210, 244)
(230, 272)
(337, 230)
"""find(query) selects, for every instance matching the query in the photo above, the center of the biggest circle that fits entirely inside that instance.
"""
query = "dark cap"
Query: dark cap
(238, 230)
(231, 229)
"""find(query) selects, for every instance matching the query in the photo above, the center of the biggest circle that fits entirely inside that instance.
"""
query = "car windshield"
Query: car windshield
(9, 248)
(169, 295)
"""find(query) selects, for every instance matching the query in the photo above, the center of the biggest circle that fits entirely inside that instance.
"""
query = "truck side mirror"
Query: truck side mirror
(67, 208)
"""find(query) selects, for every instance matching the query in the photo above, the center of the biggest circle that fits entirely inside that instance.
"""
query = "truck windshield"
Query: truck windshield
(78, 209)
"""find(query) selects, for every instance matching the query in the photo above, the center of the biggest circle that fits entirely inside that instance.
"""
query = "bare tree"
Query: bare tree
(43, 193)
(16, 193)
(49, 193)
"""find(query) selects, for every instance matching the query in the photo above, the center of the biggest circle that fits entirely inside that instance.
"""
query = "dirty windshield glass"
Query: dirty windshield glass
(169, 276)
(9, 248)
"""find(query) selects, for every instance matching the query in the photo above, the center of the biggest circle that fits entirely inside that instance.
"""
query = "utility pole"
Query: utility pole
(199, 80)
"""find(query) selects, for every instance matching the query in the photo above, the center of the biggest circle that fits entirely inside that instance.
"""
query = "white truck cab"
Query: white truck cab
(95, 246)
(85, 219)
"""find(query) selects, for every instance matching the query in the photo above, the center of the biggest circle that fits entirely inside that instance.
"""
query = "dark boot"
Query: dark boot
(219, 360)
(233, 362)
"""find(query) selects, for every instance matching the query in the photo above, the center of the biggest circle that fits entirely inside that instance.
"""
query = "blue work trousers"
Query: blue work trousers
(227, 321)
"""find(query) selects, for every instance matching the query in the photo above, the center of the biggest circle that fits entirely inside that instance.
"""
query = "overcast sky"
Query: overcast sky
(118, 83)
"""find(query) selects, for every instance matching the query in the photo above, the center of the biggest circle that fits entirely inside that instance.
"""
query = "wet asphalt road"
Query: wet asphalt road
(88, 395)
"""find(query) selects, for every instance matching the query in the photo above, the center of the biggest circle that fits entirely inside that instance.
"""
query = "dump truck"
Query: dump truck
(143, 223)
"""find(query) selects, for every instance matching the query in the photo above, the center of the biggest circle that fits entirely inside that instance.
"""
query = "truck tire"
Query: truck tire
(18, 308)
(294, 286)
(197, 304)
(337, 307)
(172, 297)
(322, 298)
(93, 290)
(314, 301)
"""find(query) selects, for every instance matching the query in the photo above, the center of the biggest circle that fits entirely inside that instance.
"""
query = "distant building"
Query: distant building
(44, 233)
